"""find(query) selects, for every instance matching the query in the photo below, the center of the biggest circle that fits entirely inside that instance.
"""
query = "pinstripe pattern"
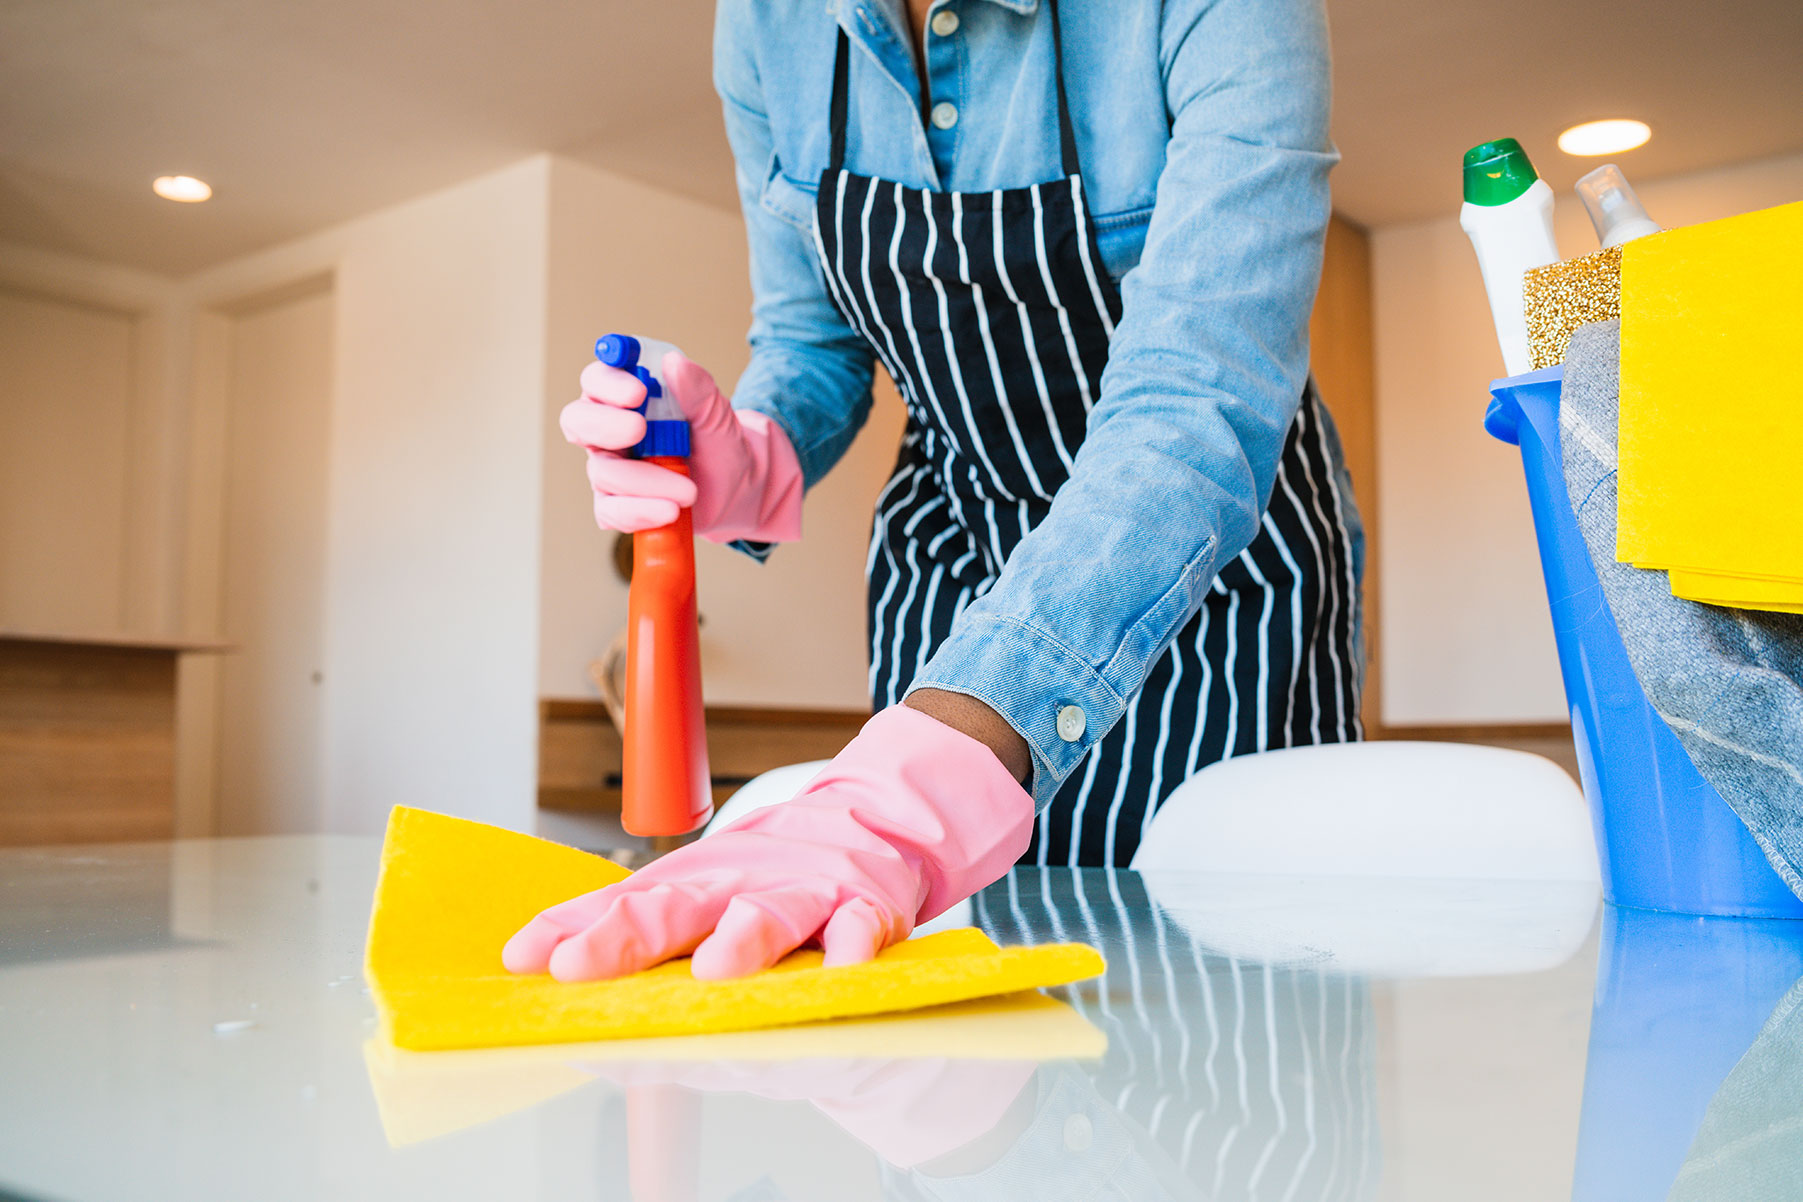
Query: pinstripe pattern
(1256, 1080)
(991, 315)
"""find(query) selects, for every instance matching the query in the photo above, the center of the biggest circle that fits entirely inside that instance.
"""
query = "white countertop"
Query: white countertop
(188, 1021)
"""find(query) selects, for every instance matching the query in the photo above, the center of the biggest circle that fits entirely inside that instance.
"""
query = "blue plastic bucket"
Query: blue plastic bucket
(1666, 839)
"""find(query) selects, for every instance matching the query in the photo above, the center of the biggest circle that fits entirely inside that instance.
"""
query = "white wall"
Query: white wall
(431, 579)
(790, 632)
(1466, 637)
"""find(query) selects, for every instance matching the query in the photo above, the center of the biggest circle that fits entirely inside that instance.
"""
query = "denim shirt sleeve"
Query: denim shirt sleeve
(810, 372)
(1204, 377)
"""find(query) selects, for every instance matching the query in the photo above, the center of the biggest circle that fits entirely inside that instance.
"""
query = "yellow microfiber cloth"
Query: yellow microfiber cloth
(452, 891)
(1710, 440)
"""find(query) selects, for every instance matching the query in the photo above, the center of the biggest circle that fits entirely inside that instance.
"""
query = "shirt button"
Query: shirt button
(1071, 723)
(1078, 1133)
(945, 22)
(945, 115)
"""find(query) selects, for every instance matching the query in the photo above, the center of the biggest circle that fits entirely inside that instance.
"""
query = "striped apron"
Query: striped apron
(992, 312)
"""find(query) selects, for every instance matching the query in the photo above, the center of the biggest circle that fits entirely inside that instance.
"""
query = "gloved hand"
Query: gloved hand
(910, 818)
(744, 479)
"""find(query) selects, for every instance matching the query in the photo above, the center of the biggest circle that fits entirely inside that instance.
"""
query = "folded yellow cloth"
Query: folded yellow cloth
(452, 891)
(1710, 435)
(1739, 592)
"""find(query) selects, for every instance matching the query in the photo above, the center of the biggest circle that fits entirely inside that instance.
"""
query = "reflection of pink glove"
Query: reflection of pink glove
(911, 817)
(906, 1111)
(744, 479)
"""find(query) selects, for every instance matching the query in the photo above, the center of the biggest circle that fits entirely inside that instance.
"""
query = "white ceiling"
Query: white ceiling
(302, 114)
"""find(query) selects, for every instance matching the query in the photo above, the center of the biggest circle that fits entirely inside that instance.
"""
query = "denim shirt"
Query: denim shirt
(1202, 134)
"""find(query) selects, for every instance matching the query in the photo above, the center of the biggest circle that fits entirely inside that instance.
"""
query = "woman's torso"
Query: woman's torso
(995, 70)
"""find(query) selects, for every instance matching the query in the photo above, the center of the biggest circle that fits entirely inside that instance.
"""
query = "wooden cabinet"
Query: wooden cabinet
(87, 737)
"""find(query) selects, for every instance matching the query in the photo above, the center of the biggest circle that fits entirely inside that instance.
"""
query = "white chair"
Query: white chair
(766, 789)
(780, 784)
(1390, 809)
(1388, 858)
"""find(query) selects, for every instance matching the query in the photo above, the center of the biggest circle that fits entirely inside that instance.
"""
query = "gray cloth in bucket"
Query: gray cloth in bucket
(1729, 682)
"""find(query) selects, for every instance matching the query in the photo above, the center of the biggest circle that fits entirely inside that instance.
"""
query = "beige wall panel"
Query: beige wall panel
(66, 403)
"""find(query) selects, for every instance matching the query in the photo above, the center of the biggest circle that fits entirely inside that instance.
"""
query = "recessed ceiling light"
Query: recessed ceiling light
(1604, 137)
(184, 188)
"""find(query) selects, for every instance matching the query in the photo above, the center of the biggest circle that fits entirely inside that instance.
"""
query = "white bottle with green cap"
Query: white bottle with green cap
(1508, 215)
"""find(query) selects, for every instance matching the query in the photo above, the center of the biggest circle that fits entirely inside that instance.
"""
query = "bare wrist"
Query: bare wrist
(980, 722)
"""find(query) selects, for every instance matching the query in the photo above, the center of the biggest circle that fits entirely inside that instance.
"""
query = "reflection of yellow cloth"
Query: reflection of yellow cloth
(452, 891)
(421, 1095)
(1711, 438)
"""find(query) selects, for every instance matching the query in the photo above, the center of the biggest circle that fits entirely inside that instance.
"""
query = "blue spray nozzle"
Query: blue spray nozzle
(622, 351)
(665, 433)
(618, 350)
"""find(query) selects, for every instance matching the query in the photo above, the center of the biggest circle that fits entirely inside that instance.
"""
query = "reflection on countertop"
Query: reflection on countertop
(1252, 1037)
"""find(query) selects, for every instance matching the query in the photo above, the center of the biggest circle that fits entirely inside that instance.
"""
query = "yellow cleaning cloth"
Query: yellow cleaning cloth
(1740, 592)
(422, 1095)
(1711, 440)
(452, 891)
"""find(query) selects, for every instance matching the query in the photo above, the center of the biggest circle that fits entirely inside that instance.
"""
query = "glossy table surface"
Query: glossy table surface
(188, 1020)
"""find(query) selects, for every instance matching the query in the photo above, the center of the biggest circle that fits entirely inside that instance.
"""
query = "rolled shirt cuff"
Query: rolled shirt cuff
(1048, 693)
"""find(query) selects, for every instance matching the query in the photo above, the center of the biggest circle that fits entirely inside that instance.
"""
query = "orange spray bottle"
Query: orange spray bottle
(665, 778)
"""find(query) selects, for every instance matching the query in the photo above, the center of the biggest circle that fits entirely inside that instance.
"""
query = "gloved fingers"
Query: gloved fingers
(529, 950)
(611, 475)
(856, 932)
(612, 386)
(600, 427)
(629, 515)
(757, 930)
(695, 392)
(640, 929)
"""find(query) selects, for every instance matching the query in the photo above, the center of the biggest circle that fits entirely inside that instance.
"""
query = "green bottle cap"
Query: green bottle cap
(1497, 172)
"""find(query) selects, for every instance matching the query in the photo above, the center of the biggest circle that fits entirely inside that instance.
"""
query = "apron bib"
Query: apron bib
(992, 313)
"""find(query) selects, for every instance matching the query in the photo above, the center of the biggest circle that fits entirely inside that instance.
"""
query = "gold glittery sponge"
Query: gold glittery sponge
(1560, 297)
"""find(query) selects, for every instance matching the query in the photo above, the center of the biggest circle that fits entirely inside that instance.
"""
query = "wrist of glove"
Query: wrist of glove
(911, 817)
(744, 480)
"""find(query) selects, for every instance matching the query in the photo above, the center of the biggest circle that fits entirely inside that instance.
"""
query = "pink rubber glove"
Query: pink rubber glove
(744, 480)
(910, 818)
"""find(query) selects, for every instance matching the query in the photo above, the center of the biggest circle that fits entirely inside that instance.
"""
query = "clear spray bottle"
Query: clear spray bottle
(1615, 210)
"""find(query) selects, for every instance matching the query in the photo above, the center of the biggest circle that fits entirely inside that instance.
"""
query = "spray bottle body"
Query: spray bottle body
(665, 785)
(665, 771)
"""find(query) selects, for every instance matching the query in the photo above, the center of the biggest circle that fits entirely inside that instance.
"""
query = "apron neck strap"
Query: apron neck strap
(841, 64)
(1067, 137)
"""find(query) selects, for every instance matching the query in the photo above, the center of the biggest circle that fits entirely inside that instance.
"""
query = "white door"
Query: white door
(273, 562)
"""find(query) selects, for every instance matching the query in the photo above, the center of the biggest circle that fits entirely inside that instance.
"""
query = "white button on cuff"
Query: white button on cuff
(945, 22)
(945, 115)
(1071, 723)
(1079, 1134)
